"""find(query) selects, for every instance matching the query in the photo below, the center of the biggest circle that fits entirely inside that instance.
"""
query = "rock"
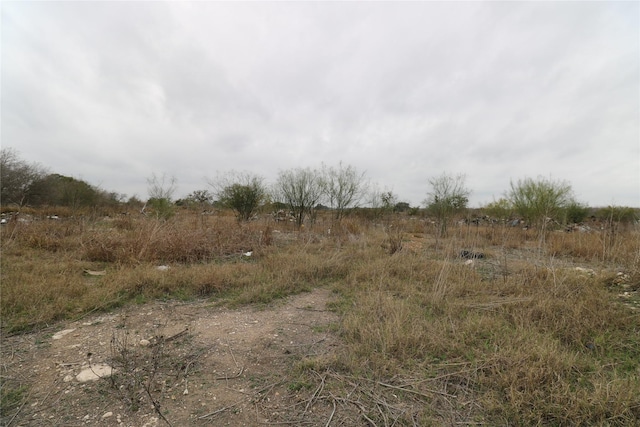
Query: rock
(145, 343)
(107, 414)
(94, 373)
(61, 334)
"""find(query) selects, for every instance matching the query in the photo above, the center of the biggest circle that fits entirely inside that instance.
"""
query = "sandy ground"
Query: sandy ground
(212, 366)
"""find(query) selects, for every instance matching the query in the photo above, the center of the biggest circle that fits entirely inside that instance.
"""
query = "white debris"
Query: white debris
(247, 253)
(162, 267)
(95, 273)
(94, 372)
(61, 334)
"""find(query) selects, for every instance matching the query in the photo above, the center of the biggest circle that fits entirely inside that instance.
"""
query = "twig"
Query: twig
(315, 394)
(332, 413)
(229, 378)
(24, 402)
(172, 337)
(232, 356)
(360, 406)
(417, 392)
(219, 410)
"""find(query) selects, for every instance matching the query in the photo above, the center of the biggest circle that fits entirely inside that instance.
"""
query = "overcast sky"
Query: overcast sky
(112, 92)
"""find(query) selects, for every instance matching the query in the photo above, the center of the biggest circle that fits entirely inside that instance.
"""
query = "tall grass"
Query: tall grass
(518, 338)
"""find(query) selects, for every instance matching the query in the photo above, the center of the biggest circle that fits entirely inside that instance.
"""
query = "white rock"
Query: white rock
(107, 414)
(61, 334)
(162, 267)
(94, 373)
(145, 343)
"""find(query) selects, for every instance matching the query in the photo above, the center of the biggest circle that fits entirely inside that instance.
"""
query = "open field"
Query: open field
(365, 322)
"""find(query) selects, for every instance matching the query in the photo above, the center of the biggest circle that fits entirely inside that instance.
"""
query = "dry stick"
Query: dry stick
(179, 334)
(226, 377)
(315, 394)
(361, 407)
(20, 408)
(417, 392)
(236, 403)
(220, 410)
(332, 413)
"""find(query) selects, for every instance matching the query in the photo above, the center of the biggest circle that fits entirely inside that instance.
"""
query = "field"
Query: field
(370, 321)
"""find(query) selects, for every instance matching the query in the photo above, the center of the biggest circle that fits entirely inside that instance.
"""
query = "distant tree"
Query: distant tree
(618, 214)
(539, 201)
(301, 190)
(381, 203)
(17, 177)
(499, 209)
(161, 190)
(344, 187)
(447, 197)
(59, 190)
(197, 198)
(242, 192)
(401, 207)
(575, 212)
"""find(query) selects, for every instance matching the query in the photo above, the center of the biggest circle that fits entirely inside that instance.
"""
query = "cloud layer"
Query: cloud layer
(112, 92)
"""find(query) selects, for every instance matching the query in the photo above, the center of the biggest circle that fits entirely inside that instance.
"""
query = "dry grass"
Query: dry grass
(518, 338)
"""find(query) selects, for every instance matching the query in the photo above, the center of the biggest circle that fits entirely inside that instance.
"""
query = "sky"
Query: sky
(114, 92)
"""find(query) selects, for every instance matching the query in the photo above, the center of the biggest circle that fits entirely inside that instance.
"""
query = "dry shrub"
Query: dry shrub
(47, 235)
(167, 242)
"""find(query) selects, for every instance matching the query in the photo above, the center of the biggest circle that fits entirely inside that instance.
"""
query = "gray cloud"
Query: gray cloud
(114, 91)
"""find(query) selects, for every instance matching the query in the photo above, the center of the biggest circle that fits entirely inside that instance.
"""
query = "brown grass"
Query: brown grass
(518, 338)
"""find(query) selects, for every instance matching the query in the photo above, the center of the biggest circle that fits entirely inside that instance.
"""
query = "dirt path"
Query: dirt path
(212, 366)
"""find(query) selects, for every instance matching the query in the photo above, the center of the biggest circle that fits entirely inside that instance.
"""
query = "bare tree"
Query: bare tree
(301, 190)
(17, 177)
(448, 196)
(161, 190)
(243, 192)
(344, 187)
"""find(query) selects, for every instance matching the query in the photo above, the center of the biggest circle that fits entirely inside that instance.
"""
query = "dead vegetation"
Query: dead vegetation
(536, 332)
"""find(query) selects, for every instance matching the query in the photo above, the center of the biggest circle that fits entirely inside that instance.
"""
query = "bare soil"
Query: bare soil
(203, 365)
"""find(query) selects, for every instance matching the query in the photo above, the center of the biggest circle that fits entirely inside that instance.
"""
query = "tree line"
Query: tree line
(23, 183)
(302, 192)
